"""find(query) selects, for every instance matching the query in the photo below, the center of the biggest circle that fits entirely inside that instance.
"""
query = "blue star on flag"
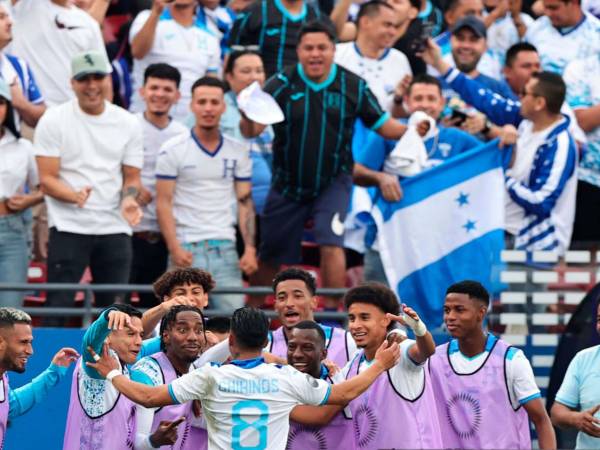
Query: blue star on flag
(462, 199)
(470, 225)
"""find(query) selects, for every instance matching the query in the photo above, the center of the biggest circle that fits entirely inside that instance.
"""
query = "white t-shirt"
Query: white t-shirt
(204, 199)
(519, 374)
(48, 36)
(407, 376)
(92, 151)
(249, 401)
(154, 138)
(382, 75)
(192, 50)
(557, 48)
(17, 165)
(563, 212)
(502, 34)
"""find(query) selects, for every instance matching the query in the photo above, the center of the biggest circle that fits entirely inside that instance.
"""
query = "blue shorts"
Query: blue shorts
(282, 222)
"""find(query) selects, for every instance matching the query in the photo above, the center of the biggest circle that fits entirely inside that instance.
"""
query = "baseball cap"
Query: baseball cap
(90, 62)
(5, 90)
(471, 22)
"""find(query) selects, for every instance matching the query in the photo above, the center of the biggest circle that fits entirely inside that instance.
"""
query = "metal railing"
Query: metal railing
(88, 311)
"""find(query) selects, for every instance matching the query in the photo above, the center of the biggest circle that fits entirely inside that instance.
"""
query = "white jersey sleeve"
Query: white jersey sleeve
(47, 140)
(407, 376)
(217, 353)
(520, 378)
(134, 149)
(192, 385)
(167, 162)
(307, 390)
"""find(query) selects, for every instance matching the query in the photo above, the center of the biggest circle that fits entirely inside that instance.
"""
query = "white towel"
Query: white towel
(409, 156)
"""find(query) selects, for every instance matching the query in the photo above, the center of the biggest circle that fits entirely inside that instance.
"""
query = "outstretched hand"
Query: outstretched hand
(65, 357)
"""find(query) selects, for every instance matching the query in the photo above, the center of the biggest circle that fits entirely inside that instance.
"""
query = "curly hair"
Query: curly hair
(180, 277)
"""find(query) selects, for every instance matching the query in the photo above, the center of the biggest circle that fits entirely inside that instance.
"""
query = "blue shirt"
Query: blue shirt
(580, 389)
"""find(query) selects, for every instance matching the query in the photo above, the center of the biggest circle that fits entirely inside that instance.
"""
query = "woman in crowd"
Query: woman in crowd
(18, 192)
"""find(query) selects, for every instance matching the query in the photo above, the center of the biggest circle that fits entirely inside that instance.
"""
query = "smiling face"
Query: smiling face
(128, 341)
(367, 324)
(463, 315)
(90, 90)
(467, 48)
(15, 347)
(426, 97)
(246, 70)
(185, 339)
(159, 94)
(294, 302)
(306, 351)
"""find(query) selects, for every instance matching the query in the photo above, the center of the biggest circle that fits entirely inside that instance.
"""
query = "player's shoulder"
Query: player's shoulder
(233, 145)
(588, 354)
(150, 367)
(540, 25)
(176, 143)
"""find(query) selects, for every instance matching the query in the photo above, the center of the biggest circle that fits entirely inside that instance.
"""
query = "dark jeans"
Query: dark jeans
(109, 259)
(150, 258)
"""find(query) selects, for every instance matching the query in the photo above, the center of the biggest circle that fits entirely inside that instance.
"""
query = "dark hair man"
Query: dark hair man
(482, 384)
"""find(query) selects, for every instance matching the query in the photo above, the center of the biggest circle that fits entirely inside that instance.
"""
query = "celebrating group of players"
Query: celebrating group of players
(302, 386)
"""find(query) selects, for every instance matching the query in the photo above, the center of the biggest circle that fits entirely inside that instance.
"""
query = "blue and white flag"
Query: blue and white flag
(448, 227)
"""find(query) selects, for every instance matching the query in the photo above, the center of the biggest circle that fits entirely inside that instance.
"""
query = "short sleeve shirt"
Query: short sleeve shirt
(580, 389)
(249, 400)
(312, 145)
(204, 199)
(267, 24)
(193, 50)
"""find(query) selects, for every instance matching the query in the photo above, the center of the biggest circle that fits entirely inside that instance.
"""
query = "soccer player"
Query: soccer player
(180, 286)
(247, 398)
(485, 389)
(306, 352)
(99, 418)
(295, 302)
(398, 409)
(182, 339)
(15, 349)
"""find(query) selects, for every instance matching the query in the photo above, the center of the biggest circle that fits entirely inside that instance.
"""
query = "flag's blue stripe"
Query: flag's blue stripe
(456, 170)
(425, 289)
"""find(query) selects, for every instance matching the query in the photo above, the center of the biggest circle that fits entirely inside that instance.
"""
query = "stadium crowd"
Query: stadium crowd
(128, 146)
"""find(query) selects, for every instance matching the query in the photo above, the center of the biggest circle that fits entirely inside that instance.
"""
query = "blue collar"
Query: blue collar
(318, 86)
(248, 363)
(199, 19)
(324, 372)
(203, 148)
(288, 15)
(382, 57)
(489, 344)
(566, 30)
(428, 8)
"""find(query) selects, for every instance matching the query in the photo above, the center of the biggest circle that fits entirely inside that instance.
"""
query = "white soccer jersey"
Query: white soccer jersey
(557, 47)
(193, 50)
(382, 75)
(247, 403)
(502, 34)
(154, 138)
(204, 200)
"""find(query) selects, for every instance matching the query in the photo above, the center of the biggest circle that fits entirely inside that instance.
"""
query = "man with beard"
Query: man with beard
(182, 339)
(15, 349)
(485, 388)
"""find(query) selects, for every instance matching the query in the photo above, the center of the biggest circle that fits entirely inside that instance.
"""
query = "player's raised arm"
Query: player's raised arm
(386, 357)
(147, 396)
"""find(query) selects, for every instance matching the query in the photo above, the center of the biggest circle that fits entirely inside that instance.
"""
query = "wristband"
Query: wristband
(418, 327)
(113, 373)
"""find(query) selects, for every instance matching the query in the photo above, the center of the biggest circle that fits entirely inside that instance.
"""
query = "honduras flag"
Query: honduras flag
(448, 227)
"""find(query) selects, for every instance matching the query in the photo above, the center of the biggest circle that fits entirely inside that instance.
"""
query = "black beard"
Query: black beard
(466, 68)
